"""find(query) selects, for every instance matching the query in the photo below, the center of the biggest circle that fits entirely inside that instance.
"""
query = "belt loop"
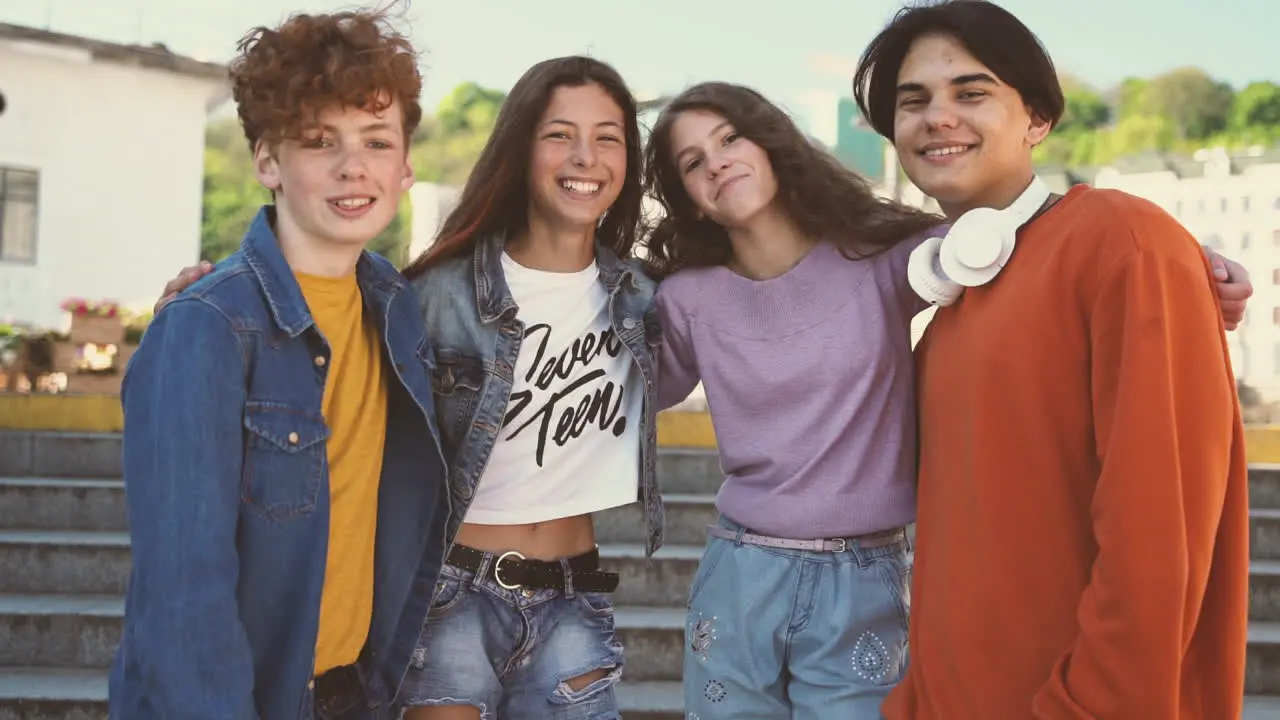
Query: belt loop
(486, 559)
(738, 539)
(568, 578)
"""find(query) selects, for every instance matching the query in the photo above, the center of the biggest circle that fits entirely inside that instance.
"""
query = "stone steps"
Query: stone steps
(97, 563)
(63, 646)
(62, 694)
(64, 563)
(81, 694)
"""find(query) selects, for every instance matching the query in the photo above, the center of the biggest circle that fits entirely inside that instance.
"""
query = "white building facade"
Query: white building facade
(101, 170)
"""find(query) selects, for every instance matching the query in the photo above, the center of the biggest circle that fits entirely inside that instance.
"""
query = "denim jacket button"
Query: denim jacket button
(293, 438)
(628, 323)
(320, 361)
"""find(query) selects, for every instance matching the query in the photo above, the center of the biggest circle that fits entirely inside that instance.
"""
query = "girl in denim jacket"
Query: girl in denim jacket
(545, 389)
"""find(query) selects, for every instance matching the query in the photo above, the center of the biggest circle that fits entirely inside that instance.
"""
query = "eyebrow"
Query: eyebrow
(606, 123)
(958, 80)
(375, 127)
(690, 149)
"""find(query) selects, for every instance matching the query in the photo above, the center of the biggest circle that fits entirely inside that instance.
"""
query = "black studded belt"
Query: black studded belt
(512, 570)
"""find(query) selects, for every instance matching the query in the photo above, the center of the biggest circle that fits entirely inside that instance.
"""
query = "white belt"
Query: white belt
(836, 545)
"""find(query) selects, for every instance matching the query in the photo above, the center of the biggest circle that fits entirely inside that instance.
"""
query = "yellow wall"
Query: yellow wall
(101, 413)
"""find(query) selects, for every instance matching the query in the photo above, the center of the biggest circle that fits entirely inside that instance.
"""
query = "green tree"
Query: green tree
(1256, 106)
(232, 194)
(447, 145)
(469, 107)
(1130, 97)
(1085, 111)
(1136, 134)
(1196, 105)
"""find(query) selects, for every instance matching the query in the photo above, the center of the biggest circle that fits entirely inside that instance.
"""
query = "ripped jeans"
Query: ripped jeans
(510, 653)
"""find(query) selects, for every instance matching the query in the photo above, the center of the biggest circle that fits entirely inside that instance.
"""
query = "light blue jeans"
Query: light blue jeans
(777, 633)
(510, 653)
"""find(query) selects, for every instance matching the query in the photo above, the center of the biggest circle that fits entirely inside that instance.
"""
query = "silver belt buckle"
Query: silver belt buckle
(497, 568)
(842, 545)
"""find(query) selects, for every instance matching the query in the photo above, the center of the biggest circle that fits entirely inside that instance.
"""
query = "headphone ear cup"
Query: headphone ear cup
(977, 246)
(925, 276)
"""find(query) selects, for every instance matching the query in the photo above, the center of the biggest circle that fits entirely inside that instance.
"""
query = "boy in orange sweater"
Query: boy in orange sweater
(1083, 511)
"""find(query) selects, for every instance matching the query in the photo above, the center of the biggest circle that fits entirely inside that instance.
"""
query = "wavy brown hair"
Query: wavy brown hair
(283, 77)
(496, 195)
(822, 197)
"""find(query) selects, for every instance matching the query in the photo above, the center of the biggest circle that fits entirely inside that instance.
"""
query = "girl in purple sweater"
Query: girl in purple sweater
(786, 295)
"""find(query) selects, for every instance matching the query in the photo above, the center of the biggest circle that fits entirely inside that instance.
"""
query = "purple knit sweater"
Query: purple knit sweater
(810, 384)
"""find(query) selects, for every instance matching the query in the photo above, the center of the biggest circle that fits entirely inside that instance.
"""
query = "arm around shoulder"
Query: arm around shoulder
(677, 363)
(183, 400)
(1168, 438)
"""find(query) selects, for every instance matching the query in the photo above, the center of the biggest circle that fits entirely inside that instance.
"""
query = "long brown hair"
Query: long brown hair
(821, 196)
(496, 195)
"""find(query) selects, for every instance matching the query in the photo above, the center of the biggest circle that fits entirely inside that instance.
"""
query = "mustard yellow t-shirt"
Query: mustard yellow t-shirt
(355, 408)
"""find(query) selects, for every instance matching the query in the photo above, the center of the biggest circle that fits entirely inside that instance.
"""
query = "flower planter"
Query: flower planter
(96, 329)
(90, 375)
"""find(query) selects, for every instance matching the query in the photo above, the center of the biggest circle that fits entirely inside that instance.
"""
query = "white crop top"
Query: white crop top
(570, 439)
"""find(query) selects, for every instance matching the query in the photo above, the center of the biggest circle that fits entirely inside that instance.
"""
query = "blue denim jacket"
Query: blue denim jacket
(227, 486)
(472, 319)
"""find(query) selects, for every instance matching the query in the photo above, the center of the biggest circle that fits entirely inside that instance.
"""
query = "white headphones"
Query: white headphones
(975, 249)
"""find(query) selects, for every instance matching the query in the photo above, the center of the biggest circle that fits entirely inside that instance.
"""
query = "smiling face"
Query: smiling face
(963, 136)
(579, 159)
(341, 181)
(729, 178)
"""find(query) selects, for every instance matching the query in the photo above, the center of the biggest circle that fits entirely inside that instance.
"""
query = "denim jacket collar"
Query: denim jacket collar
(493, 295)
(284, 296)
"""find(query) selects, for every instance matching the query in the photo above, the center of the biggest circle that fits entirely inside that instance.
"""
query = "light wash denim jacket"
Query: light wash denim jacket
(471, 316)
(227, 484)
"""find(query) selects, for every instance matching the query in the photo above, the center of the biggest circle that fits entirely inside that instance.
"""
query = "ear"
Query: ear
(407, 180)
(1038, 130)
(267, 166)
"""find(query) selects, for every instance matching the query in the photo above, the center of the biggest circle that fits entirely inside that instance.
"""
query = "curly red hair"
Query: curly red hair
(283, 77)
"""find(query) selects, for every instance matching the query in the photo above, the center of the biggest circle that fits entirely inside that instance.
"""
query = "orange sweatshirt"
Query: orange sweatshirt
(1082, 548)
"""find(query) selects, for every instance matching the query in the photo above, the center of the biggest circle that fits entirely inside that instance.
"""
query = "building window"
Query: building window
(1275, 280)
(1244, 204)
(1244, 241)
(1275, 318)
(1178, 208)
(19, 190)
(1275, 237)
(1222, 205)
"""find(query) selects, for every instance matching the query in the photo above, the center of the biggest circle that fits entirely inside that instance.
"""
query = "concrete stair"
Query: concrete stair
(64, 559)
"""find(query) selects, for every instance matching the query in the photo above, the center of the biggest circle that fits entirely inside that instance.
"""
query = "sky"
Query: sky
(800, 53)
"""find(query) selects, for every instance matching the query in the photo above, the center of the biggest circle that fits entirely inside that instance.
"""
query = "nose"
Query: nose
(940, 114)
(717, 162)
(352, 165)
(584, 153)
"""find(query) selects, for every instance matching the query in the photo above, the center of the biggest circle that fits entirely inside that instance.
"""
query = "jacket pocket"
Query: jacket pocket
(284, 459)
(456, 381)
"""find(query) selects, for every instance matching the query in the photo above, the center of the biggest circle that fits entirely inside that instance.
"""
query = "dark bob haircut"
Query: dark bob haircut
(989, 32)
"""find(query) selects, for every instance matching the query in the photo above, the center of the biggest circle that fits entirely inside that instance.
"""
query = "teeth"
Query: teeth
(577, 186)
(352, 203)
(953, 150)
